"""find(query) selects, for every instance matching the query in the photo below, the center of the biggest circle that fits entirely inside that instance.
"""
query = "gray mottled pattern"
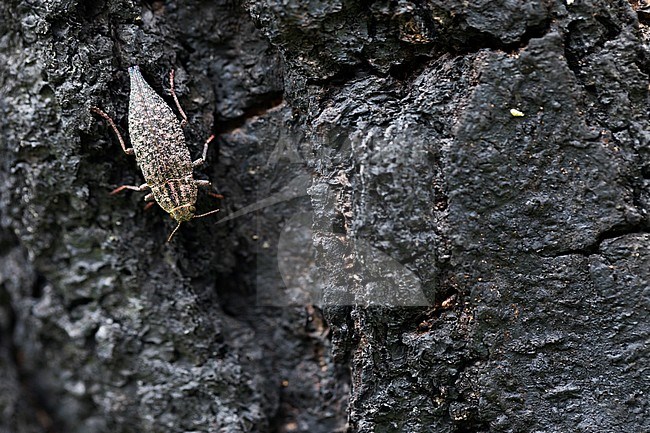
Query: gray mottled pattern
(159, 146)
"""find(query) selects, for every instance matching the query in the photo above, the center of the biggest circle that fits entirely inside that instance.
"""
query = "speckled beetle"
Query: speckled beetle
(160, 150)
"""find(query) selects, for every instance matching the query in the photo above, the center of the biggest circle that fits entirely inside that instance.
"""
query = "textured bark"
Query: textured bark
(474, 269)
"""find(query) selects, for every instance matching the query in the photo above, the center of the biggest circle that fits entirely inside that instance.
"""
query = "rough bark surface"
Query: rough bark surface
(476, 269)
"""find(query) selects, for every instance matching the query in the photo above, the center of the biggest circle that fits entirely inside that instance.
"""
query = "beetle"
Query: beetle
(160, 151)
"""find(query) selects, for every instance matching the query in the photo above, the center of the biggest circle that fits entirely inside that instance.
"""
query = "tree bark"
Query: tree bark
(435, 218)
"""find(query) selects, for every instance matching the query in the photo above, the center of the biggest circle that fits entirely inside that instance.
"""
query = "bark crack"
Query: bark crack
(263, 104)
(34, 394)
(594, 248)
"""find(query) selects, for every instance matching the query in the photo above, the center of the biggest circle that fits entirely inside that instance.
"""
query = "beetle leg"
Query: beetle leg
(199, 162)
(178, 105)
(119, 189)
(106, 117)
(207, 184)
(148, 197)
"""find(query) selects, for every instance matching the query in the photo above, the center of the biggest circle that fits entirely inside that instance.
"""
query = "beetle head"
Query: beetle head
(183, 213)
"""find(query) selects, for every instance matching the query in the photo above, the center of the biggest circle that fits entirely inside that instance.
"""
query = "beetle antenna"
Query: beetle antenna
(173, 232)
(195, 216)
(206, 214)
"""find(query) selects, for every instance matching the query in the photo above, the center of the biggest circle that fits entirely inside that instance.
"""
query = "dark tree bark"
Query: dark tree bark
(435, 218)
